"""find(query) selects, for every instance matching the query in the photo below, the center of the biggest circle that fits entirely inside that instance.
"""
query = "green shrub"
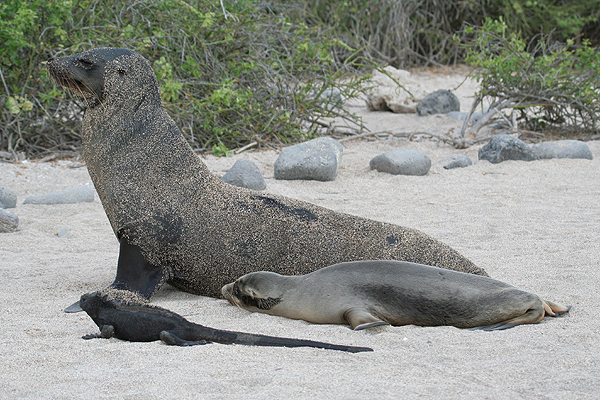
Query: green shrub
(229, 75)
(415, 32)
(548, 83)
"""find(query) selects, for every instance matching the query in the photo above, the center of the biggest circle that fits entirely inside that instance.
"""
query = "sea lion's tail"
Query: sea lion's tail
(202, 334)
(554, 309)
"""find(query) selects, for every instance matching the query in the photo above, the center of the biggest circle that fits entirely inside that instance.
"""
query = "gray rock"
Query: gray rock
(8, 198)
(317, 159)
(562, 149)
(8, 221)
(331, 98)
(77, 194)
(246, 174)
(505, 147)
(439, 102)
(458, 161)
(402, 162)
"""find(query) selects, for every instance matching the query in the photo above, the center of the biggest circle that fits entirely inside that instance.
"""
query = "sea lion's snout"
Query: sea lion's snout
(227, 292)
(61, 72)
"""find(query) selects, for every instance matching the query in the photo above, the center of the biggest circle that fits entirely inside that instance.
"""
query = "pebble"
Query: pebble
(79, 194)
(8, 198)
(246, 174)
(402, 162)
(458, 161)
(8, 221)
(505, 147)
(317, 159)
(63, 232)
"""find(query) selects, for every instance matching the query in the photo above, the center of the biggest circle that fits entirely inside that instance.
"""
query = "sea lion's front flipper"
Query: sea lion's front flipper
(359, 318)
(494, 327)
(135, 273)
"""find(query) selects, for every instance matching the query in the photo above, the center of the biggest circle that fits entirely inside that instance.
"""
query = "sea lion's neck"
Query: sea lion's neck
(138, 145)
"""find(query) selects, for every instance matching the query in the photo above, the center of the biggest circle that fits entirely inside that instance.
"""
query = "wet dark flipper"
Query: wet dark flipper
(135, 273)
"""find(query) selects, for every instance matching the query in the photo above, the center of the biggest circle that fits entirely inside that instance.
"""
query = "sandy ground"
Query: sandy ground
(532, 224)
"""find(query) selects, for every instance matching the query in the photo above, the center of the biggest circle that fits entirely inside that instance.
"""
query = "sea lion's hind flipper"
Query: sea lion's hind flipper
(171, 338)
(359, 318)
(554, 309)
(134, 272)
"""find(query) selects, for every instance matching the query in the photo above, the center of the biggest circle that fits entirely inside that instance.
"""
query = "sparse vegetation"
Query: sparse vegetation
(547, 85)
(238, 72)
(230, 74)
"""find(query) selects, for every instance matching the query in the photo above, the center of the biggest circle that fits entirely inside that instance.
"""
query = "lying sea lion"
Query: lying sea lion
(370, 293)
(178, 223)
(126, 316)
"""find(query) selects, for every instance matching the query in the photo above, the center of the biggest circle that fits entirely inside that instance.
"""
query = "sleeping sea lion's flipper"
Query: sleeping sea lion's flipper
(553, 309)
(359, 318)
(532, 316)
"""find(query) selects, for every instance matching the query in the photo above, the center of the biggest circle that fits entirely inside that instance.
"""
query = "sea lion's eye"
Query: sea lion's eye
(236, 289)
(85, 63)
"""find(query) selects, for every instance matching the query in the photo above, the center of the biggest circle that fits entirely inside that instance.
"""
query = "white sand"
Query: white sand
(532, 224)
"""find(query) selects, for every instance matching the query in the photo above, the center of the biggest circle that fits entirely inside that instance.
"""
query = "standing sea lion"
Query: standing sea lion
(178, 223)
(369, 293)
(125, 315)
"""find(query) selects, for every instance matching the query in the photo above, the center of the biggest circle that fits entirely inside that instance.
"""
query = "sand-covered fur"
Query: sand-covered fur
(179, 223)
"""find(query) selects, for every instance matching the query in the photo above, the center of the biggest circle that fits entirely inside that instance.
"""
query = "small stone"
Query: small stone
(439, 102)
(63, 232)
(246, 174)
(458, 161)
(317, 159)
(505, 147)
(562, 149)
(331, 98)
(8, 221)
(78, 194)
(8, 198)
(402, 162)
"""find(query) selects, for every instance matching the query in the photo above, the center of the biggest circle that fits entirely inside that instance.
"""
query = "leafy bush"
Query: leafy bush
(231, 73)
(416, 32)
(549, 84)
(565, 19)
